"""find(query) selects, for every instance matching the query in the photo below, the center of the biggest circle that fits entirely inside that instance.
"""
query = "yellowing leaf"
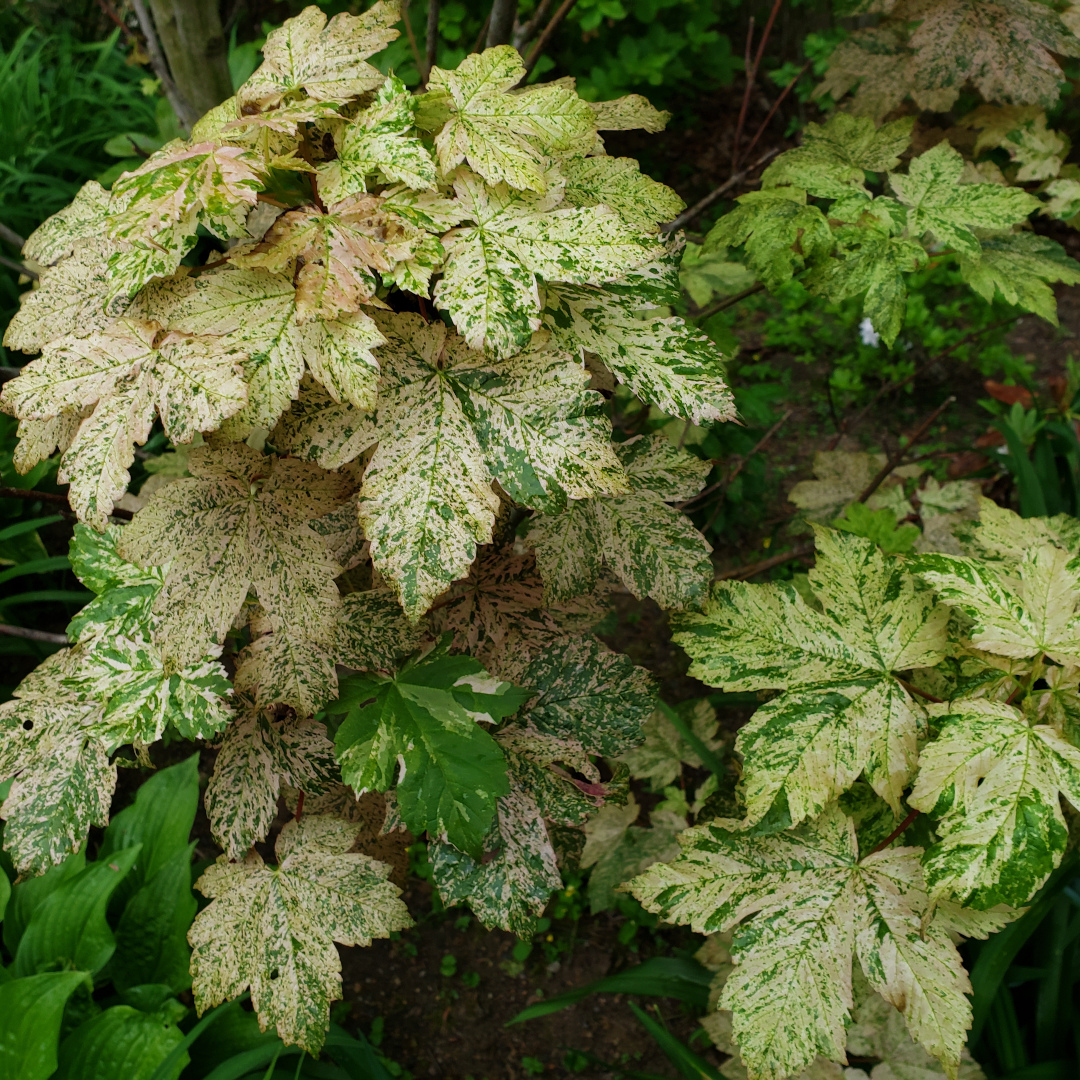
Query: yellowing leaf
(326, 60)
(817, 904)
(272, 929)
(503, 133)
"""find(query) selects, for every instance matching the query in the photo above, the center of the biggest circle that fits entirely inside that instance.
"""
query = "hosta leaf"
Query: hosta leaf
(257, 755)
(503, 133)
(660, 757)
(995, 783)
(422, 728)
(843, 712)
(816, 904)
(69, 299)
(1021, 267)
(273, 928)
(1020, 611)
(251, 513)
(664, 361)
(130, 373)
(653, 548)
(326, 60)
(619, 183)
(379, 141)
(82, 219)
(489, 284)
(940, 204)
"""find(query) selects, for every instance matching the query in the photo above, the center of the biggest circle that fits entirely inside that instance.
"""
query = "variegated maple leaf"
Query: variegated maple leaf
(131, 372)
(323, 59)
(816, 905)
(272, 928)
(489, 285)
(620, 184)
(654, 549)
(503, 133)
(251, 512)
(84, 218)
(659, 759)
(843, 711)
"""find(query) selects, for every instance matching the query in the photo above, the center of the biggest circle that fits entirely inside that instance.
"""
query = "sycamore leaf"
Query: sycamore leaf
(841, 476)
(659, 759)
(334, 253)
(68, 299)
(1021, 130)
(256, 756)
(83, 218)
(130, 372)
(318, 428)
(251, 512)
(282, 667)
(273, 928)
(373, 634)
(325, 60)
(1002, 537)
(627, 113)
(489, 283)
(619, 183)
(664, 361)
(653, 548)
(842, 712)
(817, 904)
(1020, 267)
(994, 783)
(40, 439)
(1018, 611)
(137, 263)
(379, 141)
(940, 204)
(422, 728)
(875, 64)
(504, 134)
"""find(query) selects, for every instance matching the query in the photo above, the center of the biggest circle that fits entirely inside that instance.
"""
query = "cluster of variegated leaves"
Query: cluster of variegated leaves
(391, 346)
(939, 690)
(817, 219)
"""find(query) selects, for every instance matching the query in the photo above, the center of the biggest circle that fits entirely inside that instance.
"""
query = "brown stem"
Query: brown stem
(111, 13)
(411, 34)
(911, 688)
(751, 78)
(299, 805)
(22, 268)
(431, 40)
(741, 572)
(717, 193)
(710, 310)
(776, 105)
(900, 454)
(501, 22)
(479, 42)
(748, 69)
(541, 42)
(10, 236)
(51, 497)
(34, 635)
(905, 824)
(526, 33)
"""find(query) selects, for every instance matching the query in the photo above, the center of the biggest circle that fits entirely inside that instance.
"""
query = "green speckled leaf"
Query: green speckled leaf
(619, 183)
(994, 782)
(318, 428)
(82, 219)
(272, 929)
(627, 113)
(373, 633)
(816, 905)
(282, 667)
(660, 757)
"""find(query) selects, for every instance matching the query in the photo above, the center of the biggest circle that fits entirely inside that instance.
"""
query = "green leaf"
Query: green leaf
(817, 905)
(272, 928)
(940, 204)
(119, 1042)
(880, 527)
(994, 784)
(31, 1010)
(28, 895)
(422, 728)
(843, 712)
(69, 926)
(504, 134)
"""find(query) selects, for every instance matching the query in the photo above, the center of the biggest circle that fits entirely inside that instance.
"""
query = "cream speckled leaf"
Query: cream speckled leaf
(653, 548)
(39, 439)
(503, 133)
(939, 204)
(373, 633)
(326, 60)
(620, 184)
(317, 428)
(1020, 611)
(69, 299)
(282, 667)
(627, 113)
(130, 372)
(142, 260)
(82, 219)
(840, 478)
(489, 282)
(256, 756)
(1002, 536)
(251, 513)
(816, 905)
(664, 361)
(379, 141)
(843, 713)
(1020, 130)
(994, 782)
(273, 928)
(660, 757)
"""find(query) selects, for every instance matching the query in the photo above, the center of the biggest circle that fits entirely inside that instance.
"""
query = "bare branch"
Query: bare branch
(53, 497)
(34, 635)
(524, 34)
(431, 40)
(411, 34)
(718, 193)
(541, 42)
(184, 112)
(501, 22)
(22, 268)
(10, 236)
(728, 301)
(740, 573)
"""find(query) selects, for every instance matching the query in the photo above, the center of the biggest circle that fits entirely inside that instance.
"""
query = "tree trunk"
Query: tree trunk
(194, 44)
(501, 26)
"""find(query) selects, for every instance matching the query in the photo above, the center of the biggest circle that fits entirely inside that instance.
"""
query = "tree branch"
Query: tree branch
(10, 236)
(751, 77)
(411, 34)
(710, 310)
(739, 573)
(541, 42)
(501, 22)
(22, 268)
(34, 635)
(717, 193)
(911, 688)
(184, 112)
(524, 34)
(431, 39)
(59, 500)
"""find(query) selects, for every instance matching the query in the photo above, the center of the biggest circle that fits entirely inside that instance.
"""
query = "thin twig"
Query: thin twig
(111, 13)
(411, 34)
(751, 79)
(479, 42)
(911, 688)
(10, 236)
(526, 33)
(717, 193)
(741, 572)
(22, 268)
(541, 42)
(52, 497)
(776, 105)
(909, 820)
(900, 454)
(710, 310)
(34, 635)
(501, 22)
(431, 39)
(748, 68)
(184, 112)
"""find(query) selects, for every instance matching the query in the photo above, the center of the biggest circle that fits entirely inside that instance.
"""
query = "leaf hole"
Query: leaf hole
(275, 974)
(28, 725)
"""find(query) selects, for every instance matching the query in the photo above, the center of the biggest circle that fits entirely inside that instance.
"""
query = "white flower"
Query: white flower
(868, 334)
